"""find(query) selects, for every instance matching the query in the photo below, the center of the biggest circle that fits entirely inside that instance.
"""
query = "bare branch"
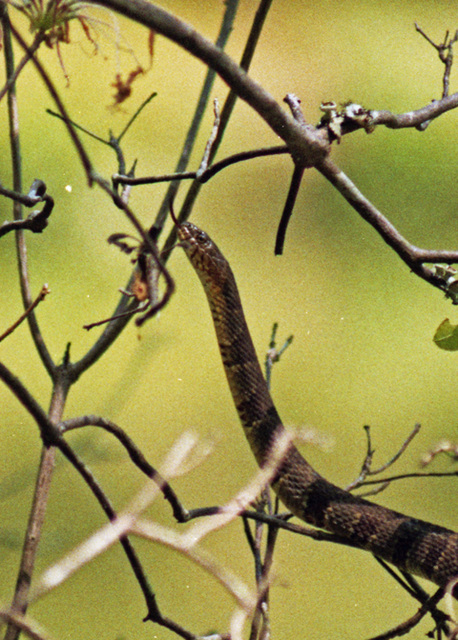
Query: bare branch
(415, 118)
(16, 161)
(41, 296)
(207, 174)
(135, 454)
(366, 466)
(445, 51)
(303, 144)
(37, 220)
(414, 257)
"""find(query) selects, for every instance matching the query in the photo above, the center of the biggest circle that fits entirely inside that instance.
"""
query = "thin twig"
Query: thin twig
(411, 622)
(294, 104)
(135, 116)
(279, 521)
(225, 30)
(74, 124)
(105, 340)
(52, 437)
(367, 462)
(273, 354)
(93, 135)
(413, 119)
(211, 140)
(41, 296)
(226, 113)
(155, 230)
(15, 146)
(135, 454)
(294, 186)
(207, 174)
(445, 51)
(28, 55)
(416, 474)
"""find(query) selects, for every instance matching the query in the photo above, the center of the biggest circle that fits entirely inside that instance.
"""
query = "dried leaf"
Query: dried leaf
(118, 239)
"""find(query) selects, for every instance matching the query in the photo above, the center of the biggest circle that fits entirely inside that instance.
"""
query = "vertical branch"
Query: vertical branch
(43, 483)
(37, 514)
(226, 113)
(32, 539)
(85, 161)
(226, 28)
(288, 208)
(21, 249)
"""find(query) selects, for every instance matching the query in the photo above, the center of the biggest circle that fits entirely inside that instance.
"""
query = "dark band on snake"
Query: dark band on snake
(412, 545)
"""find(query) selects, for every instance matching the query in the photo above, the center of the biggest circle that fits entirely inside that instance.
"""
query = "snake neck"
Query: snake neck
(254, 405)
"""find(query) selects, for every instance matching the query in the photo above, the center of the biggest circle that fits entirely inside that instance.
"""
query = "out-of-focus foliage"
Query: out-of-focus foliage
(362, 323)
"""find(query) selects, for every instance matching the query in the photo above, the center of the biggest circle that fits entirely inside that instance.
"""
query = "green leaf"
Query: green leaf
(446, 336)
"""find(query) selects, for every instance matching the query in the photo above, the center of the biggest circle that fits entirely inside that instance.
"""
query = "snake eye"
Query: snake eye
(201, 237)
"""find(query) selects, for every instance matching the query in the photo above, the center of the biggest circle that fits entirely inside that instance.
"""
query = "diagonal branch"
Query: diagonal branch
(135, 454)
(414, 257)
(303, 142)
(52, 436)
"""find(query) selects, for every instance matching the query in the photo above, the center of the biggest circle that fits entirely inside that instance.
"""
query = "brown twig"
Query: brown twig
(415, 474)
(445, 51)
(52, 437)
(414, 257)
(415, 118)
(367, 462)
(206, 175)
(37, 220)
(135, 454)
(410, 623)
(41, 296)
(16, 161)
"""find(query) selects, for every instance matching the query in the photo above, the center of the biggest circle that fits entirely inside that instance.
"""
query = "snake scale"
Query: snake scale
(412, 545)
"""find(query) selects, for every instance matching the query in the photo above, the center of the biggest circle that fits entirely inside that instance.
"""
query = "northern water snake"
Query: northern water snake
(412, 545)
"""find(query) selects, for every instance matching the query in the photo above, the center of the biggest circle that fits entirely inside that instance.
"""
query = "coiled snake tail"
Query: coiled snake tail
(412, 545)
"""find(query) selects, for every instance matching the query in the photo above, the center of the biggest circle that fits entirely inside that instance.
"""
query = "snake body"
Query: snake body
(412, 545)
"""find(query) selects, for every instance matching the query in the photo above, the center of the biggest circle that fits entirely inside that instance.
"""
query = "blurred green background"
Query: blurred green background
(363, 325)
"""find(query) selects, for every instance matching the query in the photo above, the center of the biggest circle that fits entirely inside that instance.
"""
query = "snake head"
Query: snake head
(202, 252)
